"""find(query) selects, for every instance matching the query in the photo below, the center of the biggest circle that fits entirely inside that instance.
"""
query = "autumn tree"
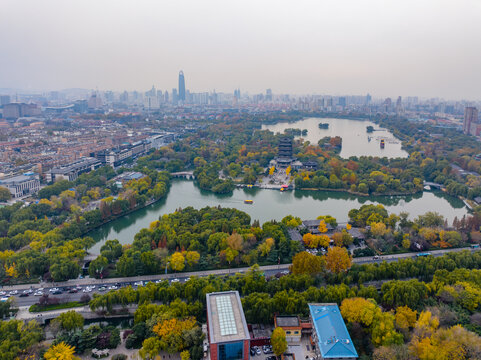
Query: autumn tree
(338, 259)
(322, 227)
(378, 229)
(405, 317)
(305, 263)
(278, 341)
(61, 351)
(266, 247)
(192, 257)
(177, 261)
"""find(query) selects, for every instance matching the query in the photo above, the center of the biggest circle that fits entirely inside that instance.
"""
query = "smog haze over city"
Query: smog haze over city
(422, 48)
(240, 180)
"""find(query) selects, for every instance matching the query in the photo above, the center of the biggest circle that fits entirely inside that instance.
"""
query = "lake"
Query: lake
(272, 204)
(355, 139)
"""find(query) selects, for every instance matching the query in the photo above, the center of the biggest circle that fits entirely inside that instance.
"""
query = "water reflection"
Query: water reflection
(271, 204)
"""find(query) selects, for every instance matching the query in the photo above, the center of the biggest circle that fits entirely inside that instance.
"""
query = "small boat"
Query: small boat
(382, 144)
(248, 201)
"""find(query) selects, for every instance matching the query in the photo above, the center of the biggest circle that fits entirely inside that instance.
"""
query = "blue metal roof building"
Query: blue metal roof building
(330, 333)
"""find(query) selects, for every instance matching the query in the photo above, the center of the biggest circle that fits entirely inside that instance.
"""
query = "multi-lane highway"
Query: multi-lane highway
(90, 286)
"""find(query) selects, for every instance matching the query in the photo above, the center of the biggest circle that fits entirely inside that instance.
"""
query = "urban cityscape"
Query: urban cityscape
(333, 221)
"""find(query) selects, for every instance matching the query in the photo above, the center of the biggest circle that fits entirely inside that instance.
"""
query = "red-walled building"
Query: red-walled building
(229, 337)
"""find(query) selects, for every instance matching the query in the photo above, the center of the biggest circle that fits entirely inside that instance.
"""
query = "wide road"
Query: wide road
(84, 286)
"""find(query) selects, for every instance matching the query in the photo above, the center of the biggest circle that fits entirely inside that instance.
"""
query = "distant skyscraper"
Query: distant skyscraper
(368, 99)
(268, 95)
(4, 99)
(470, 120)
(175, 96)
(181, 86)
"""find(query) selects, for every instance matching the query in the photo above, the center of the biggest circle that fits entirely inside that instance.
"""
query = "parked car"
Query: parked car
(58, 292)
(13, 292)
(258, 351)
(24, 294)
(73, 291)
(102, 288)
(174, 280)
(38, 293)
(253, 351)
(54, 289)
(2, 293)
(3, 299)
(113, 287)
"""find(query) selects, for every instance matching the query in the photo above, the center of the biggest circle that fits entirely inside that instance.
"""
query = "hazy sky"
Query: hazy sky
(404, 47)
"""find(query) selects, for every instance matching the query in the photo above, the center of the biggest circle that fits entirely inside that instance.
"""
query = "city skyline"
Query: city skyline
(309, 48)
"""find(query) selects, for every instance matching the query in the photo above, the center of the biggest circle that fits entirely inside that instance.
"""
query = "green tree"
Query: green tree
(4, 194)
(70, 320)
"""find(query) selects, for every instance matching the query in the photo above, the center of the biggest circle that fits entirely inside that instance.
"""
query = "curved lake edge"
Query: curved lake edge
(349, 132)
(270, 205)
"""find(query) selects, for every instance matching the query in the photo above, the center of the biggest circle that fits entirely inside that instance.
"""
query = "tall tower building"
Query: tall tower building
(181, 86)
(470, 120)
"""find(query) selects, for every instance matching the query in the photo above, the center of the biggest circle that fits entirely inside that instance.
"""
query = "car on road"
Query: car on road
(113, 287)
(174, 280)
(87, 290)
(285, 272)
(38, 293)
(13, 292)
(138, 283)
(102, 288)
(158, 281)
(54, 289)
(73, 291)
(3, 299)
(58, 292)
(24, 294)
(2, 293)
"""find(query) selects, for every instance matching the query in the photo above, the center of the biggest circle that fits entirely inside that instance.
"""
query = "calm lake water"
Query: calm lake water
(273, 204)
(355, 140)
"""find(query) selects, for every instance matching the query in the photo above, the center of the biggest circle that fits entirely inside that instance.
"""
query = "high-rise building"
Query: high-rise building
(470, 120)
(4, 100)
(268, 95)
(181, 86)
(368, 99)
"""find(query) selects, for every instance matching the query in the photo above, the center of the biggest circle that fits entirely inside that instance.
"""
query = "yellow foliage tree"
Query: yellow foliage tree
(426, 324)
(405, 317)
(177, 261)
(305, 263)
(174, 326)
(378, 229)
(266, 247)
(348, 226)
(322, 227)
(11, 270)
(447, 343)
(61, 351)
(271, 170)
(288, 170)
(359, 310)
(338, 260)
